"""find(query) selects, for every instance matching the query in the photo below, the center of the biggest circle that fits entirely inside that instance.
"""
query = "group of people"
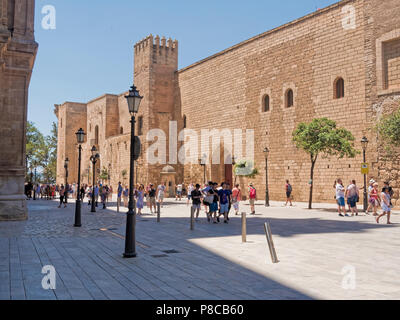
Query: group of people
(41, 191)
(376, 199)
(218, 200)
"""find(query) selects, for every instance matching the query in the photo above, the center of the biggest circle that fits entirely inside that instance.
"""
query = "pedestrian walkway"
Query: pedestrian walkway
(314, 248)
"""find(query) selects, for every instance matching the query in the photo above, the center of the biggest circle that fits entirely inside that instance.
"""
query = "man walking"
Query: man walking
(252, 198)
(289, 190)
(340, 198)
(196, 200)
(119, 195)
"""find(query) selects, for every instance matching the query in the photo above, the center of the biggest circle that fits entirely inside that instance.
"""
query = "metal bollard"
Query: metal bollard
(192, 210)
(271, 245)
(244, 227)
(158, 212)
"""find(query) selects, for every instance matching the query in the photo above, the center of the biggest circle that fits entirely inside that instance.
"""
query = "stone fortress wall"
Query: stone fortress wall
(354, 40)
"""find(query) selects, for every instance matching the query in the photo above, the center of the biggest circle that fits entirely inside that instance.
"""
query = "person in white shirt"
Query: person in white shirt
(189, 196)
(352, 195)
(340, 195)
(178, 192)
(160, 193)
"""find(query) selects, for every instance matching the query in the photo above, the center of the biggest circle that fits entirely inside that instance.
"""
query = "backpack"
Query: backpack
(252, 193)
(289, 188)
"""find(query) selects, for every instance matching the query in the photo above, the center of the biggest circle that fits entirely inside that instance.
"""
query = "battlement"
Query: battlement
(156, 43)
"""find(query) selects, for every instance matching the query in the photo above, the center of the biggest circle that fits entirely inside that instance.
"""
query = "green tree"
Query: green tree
(50, 155)
(104, 174)
(35, 144)
(389, 130)
(322, 137)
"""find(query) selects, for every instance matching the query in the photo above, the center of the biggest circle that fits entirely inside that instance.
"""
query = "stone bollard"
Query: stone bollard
(158, 212)
(271, 245)
(244, 227)
(192, 210)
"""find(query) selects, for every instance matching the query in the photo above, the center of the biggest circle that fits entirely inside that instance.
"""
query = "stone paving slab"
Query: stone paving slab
(210, 262)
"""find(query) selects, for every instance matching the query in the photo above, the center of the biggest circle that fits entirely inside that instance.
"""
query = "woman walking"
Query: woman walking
(236, 198)
(125, 195)
(374, 198)
(62, 193)
(139, 199)
(385, 195)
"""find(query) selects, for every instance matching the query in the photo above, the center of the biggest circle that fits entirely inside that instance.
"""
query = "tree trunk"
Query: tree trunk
(312, 182)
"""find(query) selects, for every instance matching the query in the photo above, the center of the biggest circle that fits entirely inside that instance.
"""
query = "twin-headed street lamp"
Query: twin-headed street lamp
(266, 153)
(133, 99)
(80, 138)
(94, 157)
(364, 143)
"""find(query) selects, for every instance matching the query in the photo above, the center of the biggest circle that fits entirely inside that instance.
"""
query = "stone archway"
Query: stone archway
(168, 175)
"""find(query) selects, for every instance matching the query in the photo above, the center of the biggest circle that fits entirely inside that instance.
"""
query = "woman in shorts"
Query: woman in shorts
(386, 207)
(374, 198)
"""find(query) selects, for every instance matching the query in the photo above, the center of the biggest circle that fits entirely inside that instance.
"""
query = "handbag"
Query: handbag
(209, 199)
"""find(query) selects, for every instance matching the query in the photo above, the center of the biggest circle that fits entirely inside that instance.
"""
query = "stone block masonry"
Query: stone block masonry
(353, 40)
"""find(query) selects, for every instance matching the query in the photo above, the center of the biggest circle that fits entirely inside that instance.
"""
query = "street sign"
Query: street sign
(364, 168)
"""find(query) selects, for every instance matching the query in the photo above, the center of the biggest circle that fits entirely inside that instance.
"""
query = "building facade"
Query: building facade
(17, 55)
(341, 62)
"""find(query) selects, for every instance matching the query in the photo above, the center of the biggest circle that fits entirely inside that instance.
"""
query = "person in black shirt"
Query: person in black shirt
(152, 196)
(196, 200)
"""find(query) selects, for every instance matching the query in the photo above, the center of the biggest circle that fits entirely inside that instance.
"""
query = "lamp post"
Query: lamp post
(266, 153)
(66, 162)
(34, 187)
(202, 162)
(133, 99)
(233, 170)
(80, 138)
(364, 143)
(95, 156)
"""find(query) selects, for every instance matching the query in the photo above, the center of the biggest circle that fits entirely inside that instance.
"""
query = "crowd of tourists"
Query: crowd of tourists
(216, 199)
(376, 198)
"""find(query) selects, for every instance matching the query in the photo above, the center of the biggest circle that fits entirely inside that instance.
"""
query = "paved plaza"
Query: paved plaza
(317, 251)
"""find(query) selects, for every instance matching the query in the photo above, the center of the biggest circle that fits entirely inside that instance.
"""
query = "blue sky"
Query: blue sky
(91, 50)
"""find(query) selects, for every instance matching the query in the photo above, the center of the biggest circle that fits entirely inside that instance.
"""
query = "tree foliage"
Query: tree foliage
(41, 153)
(389, 130)
(322, 137)
(245, 168)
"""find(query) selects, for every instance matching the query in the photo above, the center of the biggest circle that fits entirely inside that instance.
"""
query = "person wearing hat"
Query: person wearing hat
(252, 198)
(370, 187)
(374, 198)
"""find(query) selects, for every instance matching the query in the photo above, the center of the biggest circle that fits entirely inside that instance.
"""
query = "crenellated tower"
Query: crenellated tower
(155, 66)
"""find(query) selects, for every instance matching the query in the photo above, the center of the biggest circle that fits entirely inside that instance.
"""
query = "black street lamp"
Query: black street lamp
(80, 138)
(34, 187)
(94, 157)
(66, 162)
(364, 143)
(233, 165)
(133, 100)
(266, 153)
(202, 162)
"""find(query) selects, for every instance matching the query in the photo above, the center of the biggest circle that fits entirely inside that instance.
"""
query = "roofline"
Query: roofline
(102, 96)
(269, 32)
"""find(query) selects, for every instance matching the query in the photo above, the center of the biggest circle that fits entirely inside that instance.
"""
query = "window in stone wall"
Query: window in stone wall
(184, 122)
(140, 126)
(391, 64)
(289, 98)
(266, 105)
(339, 88)
(61, 123)
(121, 130)
(96, 135)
